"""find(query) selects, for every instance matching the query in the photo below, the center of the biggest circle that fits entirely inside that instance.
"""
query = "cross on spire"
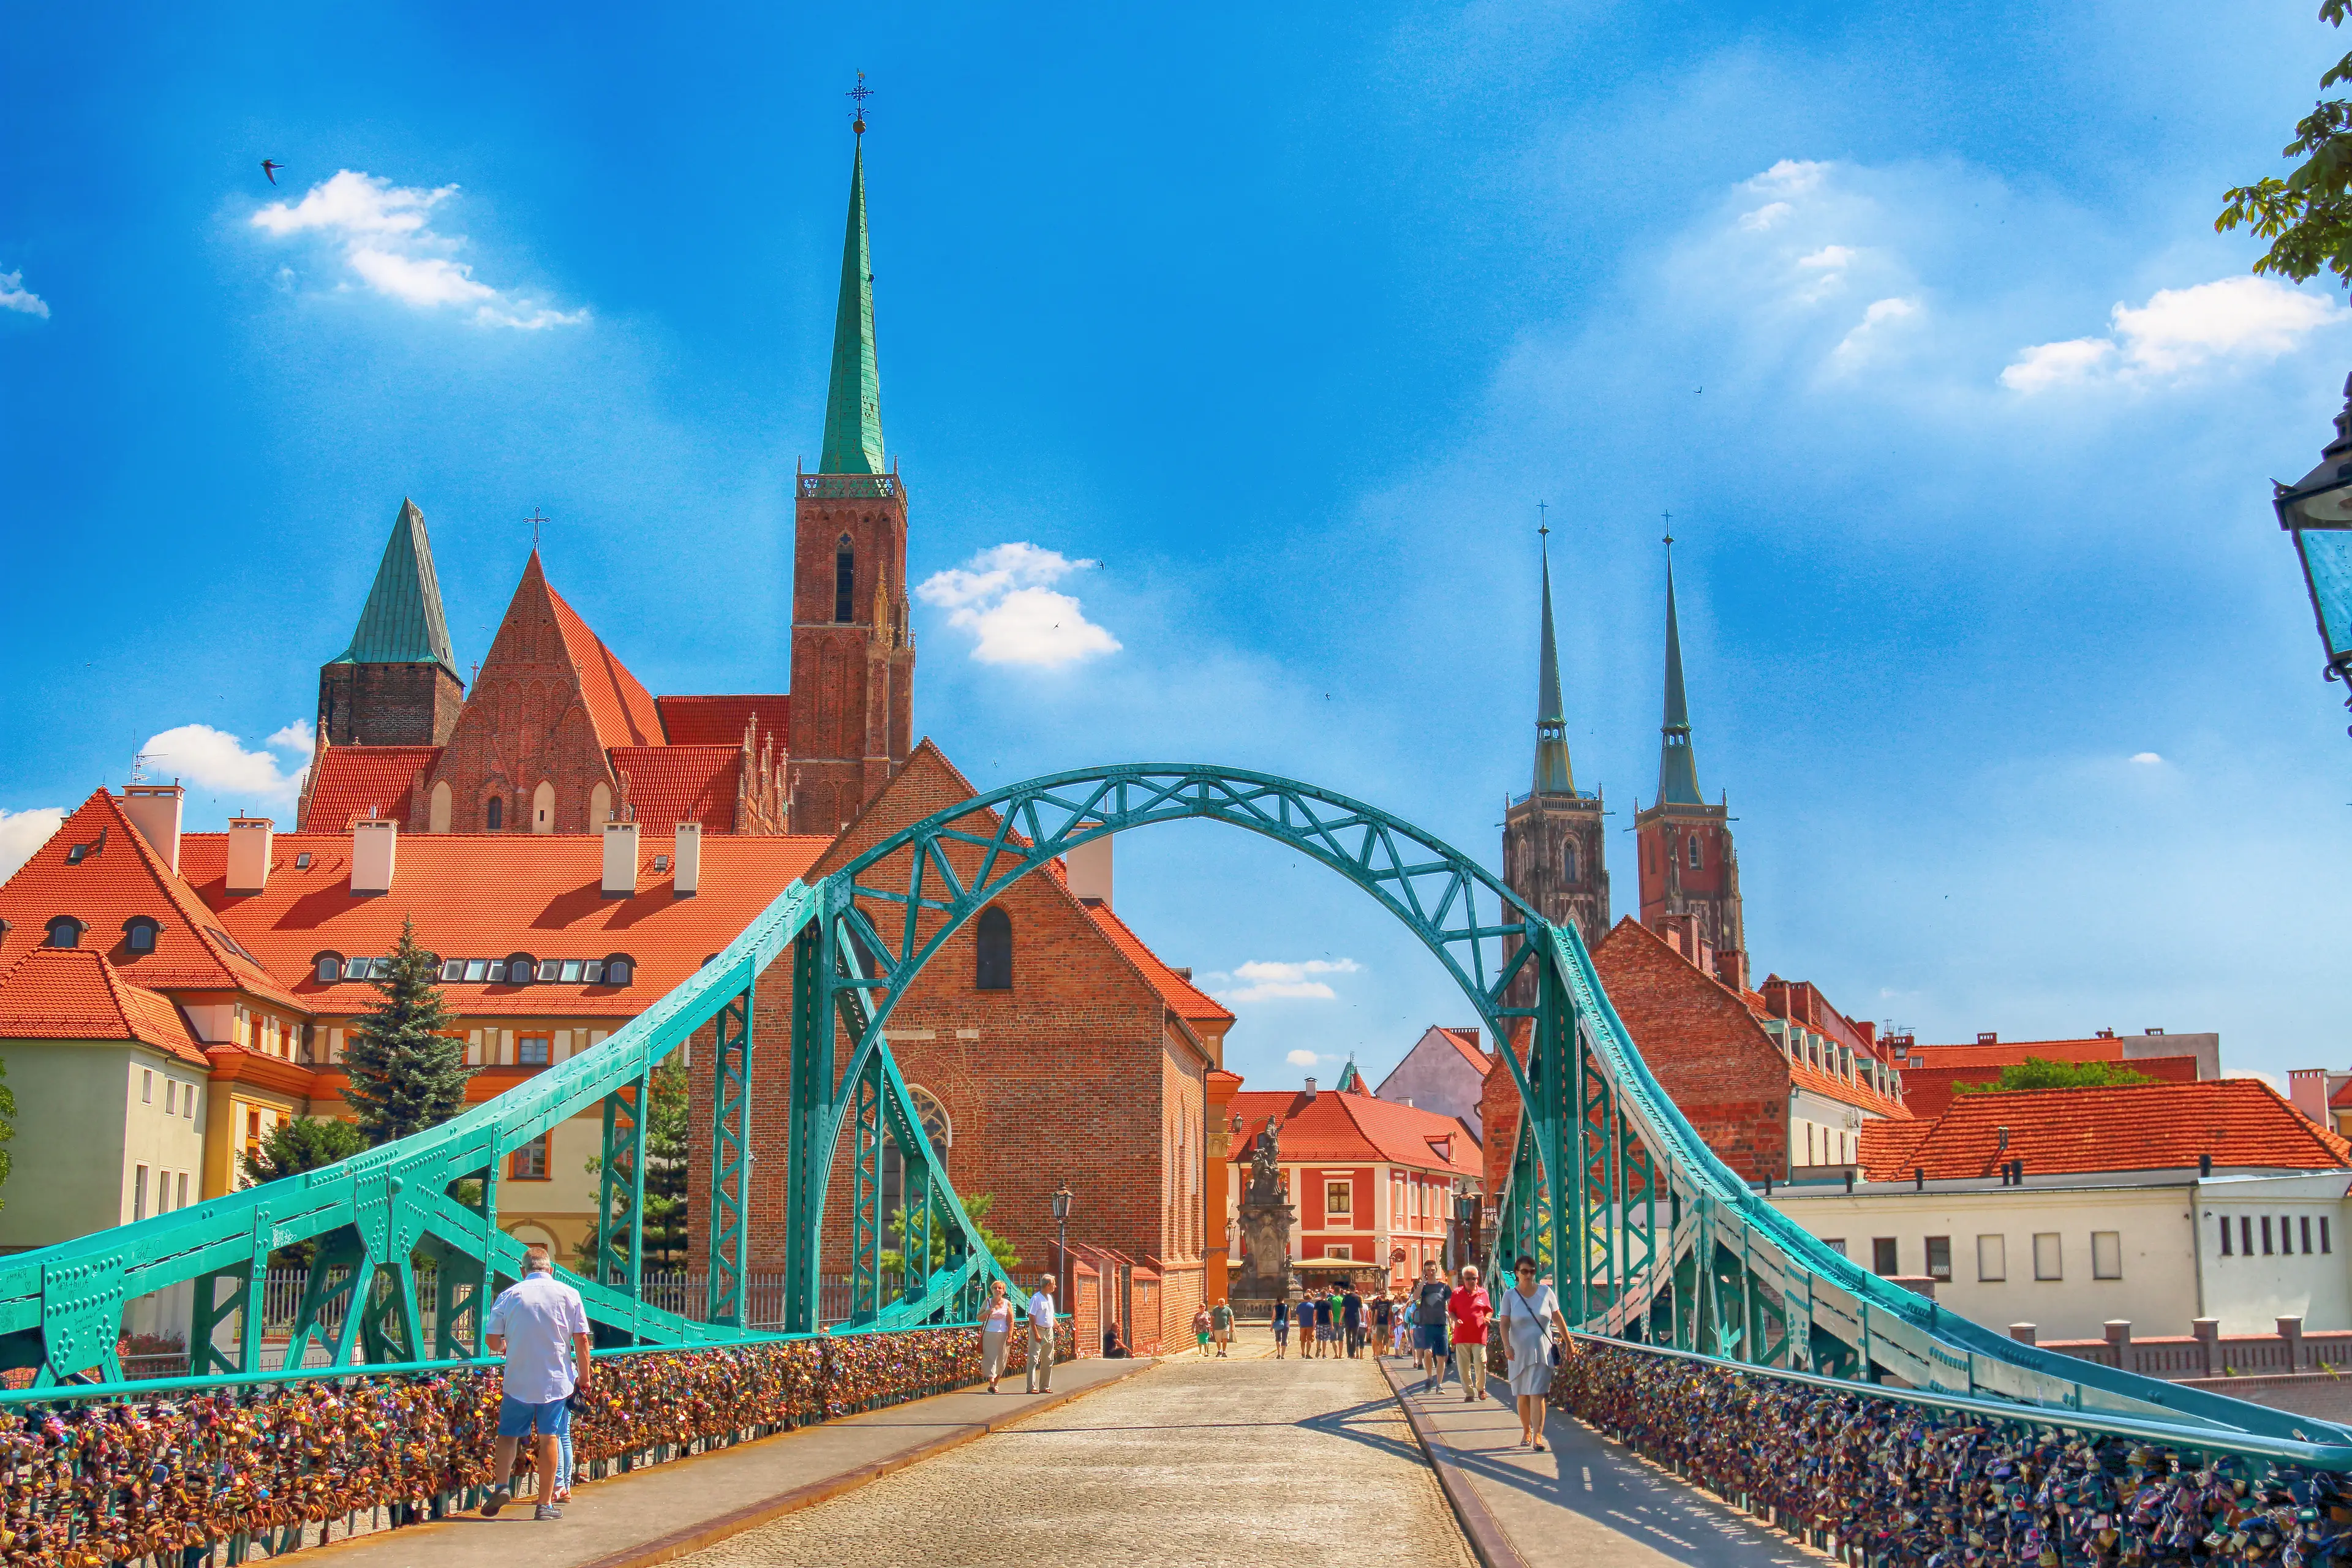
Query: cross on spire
(535, 520)
(1670, 527)
(1543, 519)
(857, 96)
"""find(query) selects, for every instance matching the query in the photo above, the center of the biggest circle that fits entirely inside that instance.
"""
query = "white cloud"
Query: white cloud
(1004, 599)
(14, 296)
(388, 242)
(295, 737)
(1269, 980)
(1881, 316)
(1830, 256)
(2179, 331)
(2147, 759)
(22, 832)
(217, 762)
(1761, 218)
(1302, 1058)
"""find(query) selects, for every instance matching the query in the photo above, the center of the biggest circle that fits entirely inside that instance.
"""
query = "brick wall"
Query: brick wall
(1708, 1050)
(852, 679)
(387, 704)
(1068, 1077)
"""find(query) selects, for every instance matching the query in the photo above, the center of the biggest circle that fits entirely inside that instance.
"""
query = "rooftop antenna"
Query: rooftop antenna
(139, 768)
(857, 96)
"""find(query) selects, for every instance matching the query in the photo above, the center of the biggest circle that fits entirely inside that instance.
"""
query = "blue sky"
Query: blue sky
(1280, 326)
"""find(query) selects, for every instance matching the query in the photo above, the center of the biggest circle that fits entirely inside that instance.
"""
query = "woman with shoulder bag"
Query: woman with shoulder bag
(1529, 1316)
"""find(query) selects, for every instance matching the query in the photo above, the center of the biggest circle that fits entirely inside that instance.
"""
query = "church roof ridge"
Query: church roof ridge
(403, 621)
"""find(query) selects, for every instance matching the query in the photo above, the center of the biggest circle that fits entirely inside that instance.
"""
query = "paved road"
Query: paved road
(1207, 1462)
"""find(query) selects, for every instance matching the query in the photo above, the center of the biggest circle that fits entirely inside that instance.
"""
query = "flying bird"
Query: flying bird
(270, 168)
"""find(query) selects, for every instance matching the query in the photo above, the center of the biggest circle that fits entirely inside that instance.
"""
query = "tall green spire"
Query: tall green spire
(401, 622)
(1553, 774)
(853, 403)
(1677, 768)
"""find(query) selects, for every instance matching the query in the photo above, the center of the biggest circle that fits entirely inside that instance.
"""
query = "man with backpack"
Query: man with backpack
(1429, 1303)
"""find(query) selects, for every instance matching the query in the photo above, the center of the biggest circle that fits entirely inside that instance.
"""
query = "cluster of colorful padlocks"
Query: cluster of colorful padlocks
(1909, 1485)
(92, 1484)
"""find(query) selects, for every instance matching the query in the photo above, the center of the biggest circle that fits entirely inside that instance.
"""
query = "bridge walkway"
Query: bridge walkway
(1582, 1502)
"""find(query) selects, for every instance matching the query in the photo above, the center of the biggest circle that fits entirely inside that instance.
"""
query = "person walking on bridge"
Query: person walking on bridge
(1429, 1326)
(540, 1326)
(1532, 1328)
(1041, 1337)
(995, 1332)
(1469, 1310)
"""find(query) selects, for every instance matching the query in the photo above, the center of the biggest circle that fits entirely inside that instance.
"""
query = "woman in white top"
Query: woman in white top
(995, 1331)
(1529, 1316)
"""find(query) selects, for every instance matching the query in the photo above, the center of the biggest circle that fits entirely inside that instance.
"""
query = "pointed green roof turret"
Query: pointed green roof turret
(401, 622)
(1350, 1081)
(853, 403)
(1677, 768)
(1553, 774)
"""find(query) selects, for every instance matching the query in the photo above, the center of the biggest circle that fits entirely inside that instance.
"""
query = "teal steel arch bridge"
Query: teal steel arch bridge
(1651, 1238)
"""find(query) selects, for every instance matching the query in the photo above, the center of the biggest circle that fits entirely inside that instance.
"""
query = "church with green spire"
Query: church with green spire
(1554, 844)
(396, 683)
(1689, 866)
(853, 656)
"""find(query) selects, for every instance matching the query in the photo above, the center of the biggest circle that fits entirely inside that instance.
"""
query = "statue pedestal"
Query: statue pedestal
(1266, 1228)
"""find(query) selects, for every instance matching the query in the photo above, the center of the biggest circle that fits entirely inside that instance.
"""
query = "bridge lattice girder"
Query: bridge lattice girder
(1649, 1236)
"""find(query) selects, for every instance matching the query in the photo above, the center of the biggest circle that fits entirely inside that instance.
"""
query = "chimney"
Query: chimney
(686, 864)
(154, 811)
(1309, 1092)
(1987, 1038)
(248, 853)
(620, 859)
(375, 843)
(1089, 868)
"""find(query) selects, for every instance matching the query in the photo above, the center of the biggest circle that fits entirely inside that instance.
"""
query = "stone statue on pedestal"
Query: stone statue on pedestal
(1266, 1219)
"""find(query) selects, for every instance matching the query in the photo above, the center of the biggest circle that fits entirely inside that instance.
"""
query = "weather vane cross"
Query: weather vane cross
(1670, 526)
(1543, 519)
(857, 96)
(535, 520)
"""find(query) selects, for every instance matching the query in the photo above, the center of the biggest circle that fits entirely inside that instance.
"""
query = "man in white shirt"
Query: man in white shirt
(1041, 1338)
(540, 1325)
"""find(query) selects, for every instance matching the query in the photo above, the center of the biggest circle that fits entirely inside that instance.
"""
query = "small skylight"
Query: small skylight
(661, 862)
(302, 861)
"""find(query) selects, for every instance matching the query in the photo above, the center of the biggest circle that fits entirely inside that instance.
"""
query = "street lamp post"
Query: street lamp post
(1062, 1246)
(2318, 510)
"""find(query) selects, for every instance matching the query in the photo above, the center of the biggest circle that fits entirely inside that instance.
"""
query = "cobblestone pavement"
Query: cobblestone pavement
(1195, 1461)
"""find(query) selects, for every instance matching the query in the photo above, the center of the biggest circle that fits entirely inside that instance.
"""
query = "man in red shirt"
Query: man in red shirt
(1470, 1309)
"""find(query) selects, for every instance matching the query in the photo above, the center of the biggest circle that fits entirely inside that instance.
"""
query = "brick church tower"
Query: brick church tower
(1552, 846)
(1690, 871)
(396, 684)
(853, 652)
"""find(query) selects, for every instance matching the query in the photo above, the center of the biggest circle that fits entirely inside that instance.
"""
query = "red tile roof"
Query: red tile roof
(721, 721)
(2240, 1121)
(1859, 1095)
(1887, 1144)
(2011, 1053)
(1356, 1128)
(1928, 1091)
(120, 875)
(490, 895)
(618, 704)
(670, 785)
(73, 993)
(352, 781)
(1190, 1002)
(1466, 1042)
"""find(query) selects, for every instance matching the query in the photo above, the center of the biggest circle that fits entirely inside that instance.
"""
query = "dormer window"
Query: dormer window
(328, 967)
(66, 931)
(519, 968)
(139, 934)
(620, 969)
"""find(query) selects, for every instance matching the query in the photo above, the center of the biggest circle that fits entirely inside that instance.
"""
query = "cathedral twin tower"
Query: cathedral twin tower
(1554, 852)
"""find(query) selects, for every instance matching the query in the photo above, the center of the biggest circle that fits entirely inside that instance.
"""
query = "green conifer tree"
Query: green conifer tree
(666, 1158)
(408, 1072)
(301, 1144)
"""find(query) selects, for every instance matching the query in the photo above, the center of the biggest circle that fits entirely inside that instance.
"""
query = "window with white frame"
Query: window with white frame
(1993, 1258)
(1339, 1197)
(2106, 1255)
(2048, 1256)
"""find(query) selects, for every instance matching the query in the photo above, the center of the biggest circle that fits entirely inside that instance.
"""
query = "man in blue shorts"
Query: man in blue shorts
(1428, 1302)
(540, 1325)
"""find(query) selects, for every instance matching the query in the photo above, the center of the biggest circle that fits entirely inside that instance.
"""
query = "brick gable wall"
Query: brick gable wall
(1708, 1050)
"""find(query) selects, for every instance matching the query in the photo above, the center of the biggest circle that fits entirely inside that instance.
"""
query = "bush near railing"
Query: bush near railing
(90, 1481)
(1888, 1483)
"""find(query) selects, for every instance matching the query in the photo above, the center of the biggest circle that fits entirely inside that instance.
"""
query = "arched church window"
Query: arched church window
(436, 812)
(1567, 862)
(1693, 846)
(543, 807)
(494, 816)
(937, 1127)
(844, 581)
(993, 965)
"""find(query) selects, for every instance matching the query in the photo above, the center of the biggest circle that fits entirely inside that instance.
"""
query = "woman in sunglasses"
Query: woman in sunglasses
(1529, 1315)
